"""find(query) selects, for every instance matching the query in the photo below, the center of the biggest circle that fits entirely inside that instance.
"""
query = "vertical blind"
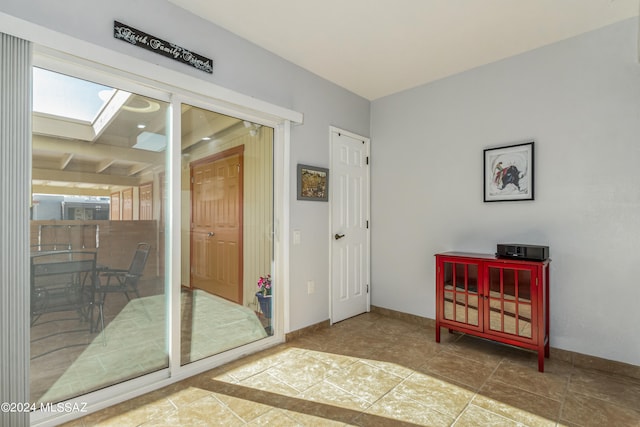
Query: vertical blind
(15, 172)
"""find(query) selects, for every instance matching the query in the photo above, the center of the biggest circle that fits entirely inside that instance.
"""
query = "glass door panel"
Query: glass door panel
(97, 283)
(510, 301)
(461, 293)
(227, 249)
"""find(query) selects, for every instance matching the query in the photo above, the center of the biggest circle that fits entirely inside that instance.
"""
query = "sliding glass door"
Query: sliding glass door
(227, 217)
(98, 300)
(101, 290)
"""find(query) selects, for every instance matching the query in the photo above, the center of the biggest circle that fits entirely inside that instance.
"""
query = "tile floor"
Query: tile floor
(373, 370)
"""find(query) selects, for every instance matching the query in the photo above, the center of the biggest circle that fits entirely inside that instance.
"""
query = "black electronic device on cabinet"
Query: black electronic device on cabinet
(517, 250)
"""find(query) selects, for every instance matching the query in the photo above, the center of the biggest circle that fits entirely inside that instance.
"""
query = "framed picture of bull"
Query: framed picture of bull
(508, 173)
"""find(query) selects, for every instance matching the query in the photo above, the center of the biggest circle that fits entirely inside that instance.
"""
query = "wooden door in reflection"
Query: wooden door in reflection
(216, 224)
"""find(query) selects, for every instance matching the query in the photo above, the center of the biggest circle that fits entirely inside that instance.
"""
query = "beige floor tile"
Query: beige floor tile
(204, 412)
(133, 412)
(398, 405)
(547, 384)
(241, 370)
(365, 381)
(397, 369)
(335, 361)
(310, 420)
(413, 355)
(247, 410)
(267, 382)
(75, 423)
(588, 411)
(393, 329)
(517, 404)
(596, 363)
(332, 395)
(275, 417)
(460, 369)
(302, 372)
(362, 345)
(435, 394)
(480, 350)
(184, 396)
(615, 389)
(556, 365)
(474, 416)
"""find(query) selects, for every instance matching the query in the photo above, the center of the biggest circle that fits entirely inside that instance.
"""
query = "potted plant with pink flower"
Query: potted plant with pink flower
(264, 295)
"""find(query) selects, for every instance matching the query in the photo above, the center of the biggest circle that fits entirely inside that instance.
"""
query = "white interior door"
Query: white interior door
(350, 252)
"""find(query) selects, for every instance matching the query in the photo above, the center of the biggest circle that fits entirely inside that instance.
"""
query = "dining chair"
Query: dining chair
(123, 281)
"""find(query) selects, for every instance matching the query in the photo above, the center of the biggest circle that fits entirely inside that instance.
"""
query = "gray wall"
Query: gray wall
(245, 68)
(580, 101)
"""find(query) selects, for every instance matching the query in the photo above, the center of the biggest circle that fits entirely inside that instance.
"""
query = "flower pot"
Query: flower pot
(265, 304)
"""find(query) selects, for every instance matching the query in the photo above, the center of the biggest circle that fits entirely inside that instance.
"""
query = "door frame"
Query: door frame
(332, 206)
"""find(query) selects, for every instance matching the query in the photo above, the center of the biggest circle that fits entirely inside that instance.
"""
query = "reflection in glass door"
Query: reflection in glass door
(227, 217)
(98, 302)
(461, 303)
(510, 306)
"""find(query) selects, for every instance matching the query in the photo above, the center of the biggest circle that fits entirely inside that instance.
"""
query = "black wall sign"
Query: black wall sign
(154, 44)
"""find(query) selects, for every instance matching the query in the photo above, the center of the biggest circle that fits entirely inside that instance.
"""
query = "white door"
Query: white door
(350, 259)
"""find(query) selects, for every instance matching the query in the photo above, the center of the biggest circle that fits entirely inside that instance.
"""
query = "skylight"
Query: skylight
(64, 96)
(151, 142)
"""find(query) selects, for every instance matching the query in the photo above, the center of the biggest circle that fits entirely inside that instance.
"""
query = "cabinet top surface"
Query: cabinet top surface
(467, 255)
(489, 257)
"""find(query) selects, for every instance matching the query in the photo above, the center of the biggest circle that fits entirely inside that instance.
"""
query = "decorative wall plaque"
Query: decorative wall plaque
(157, 45)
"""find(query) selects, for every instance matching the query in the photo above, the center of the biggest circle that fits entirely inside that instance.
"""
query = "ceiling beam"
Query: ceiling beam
(83, 177)
(137, 168)
(57, 145)
(102, 165)
(69, 191)
(65, 160)
(64, 128)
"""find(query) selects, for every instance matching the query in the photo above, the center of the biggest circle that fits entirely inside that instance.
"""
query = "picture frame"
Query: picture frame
(509, 173)
(313, 183)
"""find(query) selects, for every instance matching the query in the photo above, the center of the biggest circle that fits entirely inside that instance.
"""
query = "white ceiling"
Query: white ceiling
(378, 47)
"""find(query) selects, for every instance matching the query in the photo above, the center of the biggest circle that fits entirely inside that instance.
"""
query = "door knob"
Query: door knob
(211, 234)
(338, 236)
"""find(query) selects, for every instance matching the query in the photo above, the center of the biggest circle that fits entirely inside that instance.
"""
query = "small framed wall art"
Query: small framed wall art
(508, 173)
(313, 183)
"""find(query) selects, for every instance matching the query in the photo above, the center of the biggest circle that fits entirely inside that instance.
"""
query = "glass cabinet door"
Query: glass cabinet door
(509, 301)
(460, 291)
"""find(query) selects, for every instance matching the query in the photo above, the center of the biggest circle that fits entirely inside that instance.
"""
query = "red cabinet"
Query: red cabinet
(505, 300)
